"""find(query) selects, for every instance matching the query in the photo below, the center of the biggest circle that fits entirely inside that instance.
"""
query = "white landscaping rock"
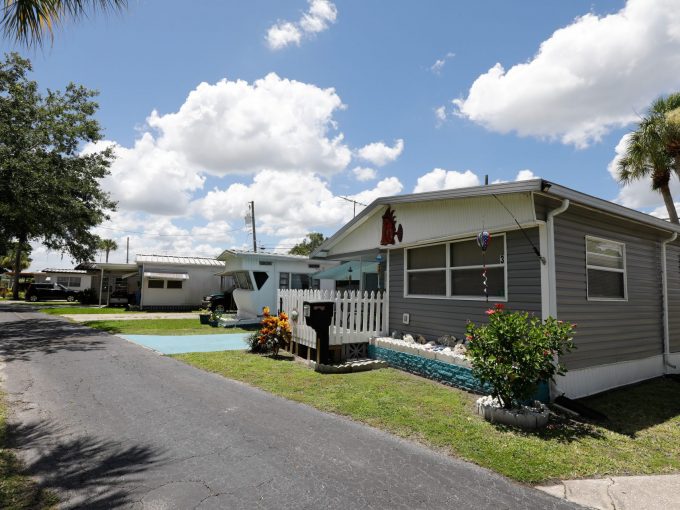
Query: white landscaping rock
(525, 417)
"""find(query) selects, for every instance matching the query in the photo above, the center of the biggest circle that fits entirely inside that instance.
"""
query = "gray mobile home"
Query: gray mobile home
(553, 252)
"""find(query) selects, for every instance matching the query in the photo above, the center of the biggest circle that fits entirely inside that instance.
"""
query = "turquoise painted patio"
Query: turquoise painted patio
(166, 344)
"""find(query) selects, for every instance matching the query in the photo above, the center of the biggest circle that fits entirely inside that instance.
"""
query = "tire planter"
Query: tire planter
(525, 417)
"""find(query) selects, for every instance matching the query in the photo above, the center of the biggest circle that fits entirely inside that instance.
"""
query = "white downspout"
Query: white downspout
(552, 278)
(664, 286)
(552, 275)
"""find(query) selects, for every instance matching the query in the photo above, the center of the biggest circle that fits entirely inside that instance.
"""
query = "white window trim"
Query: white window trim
(448, 269)
(624, 271)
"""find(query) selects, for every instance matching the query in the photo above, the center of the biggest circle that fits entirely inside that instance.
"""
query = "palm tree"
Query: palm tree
(9, 259)
(108, 245)
(647, 156)
(28, 21)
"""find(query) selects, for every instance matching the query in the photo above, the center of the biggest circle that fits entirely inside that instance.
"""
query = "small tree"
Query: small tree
(9, 260)
(310, 243)
(514, 352)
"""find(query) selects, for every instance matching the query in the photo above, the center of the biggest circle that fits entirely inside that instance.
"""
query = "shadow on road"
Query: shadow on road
(21, 338)
(98, 470)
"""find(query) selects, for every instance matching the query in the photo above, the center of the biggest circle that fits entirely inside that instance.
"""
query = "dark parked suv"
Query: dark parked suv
(219, 302)
(50, 292)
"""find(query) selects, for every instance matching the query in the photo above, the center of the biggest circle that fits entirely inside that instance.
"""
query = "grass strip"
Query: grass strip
(18, 491)
(160, 327)
(642, 436)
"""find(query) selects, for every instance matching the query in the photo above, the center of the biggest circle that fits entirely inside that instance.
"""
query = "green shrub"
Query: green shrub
(88, 297)
(514, 352)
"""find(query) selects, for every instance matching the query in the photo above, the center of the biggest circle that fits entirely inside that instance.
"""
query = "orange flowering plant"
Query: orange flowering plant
(274, 333)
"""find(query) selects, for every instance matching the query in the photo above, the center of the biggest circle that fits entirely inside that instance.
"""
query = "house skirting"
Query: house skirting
(588, 381)
(447, 373)
(673, 359)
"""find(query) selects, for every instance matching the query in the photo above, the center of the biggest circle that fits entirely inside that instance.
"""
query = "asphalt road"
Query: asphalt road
(108, 424)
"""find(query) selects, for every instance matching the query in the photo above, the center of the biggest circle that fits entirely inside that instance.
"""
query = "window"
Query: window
(467, 265)
(606, 269)
(156, 284)
(284, 280)
(174, 284)
(69, 281)
(260, 278)
(299, 281)
(242, 280)
(426, 268)
(455, 270)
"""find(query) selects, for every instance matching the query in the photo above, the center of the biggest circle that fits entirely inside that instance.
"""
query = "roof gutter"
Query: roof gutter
(664, 284)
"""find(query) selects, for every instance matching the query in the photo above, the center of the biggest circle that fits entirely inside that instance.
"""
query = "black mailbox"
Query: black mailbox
(319, 315)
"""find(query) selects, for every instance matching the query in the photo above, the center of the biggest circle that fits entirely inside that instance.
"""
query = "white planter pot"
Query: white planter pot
(524, 417)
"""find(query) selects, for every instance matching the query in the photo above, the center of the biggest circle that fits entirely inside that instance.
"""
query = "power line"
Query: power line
(148, 234)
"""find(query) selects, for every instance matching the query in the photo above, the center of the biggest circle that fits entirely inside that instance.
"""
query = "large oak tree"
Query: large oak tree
(50, 191)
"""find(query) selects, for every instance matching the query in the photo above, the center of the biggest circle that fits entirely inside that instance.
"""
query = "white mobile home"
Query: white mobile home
(176, 283)
(74, 279)
(254, 278)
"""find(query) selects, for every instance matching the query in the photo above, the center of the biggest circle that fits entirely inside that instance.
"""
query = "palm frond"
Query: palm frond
(29, 21)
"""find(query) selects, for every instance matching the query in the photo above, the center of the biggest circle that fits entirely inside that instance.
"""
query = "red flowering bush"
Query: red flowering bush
(514, 352)
(273, 334)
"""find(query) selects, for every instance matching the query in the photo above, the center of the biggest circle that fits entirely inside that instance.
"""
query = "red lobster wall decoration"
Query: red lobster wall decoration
(389, 228)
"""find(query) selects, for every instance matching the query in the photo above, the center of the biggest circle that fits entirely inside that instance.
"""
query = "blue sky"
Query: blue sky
(292, 104)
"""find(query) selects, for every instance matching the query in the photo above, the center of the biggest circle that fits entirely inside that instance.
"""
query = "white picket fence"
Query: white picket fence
(358, 316)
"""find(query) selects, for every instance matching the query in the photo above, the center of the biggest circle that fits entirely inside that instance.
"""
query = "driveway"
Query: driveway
(109, 424)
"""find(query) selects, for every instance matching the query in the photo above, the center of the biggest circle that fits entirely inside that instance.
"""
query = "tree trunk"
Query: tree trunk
(670, 206)
(17, 267)
(107, 255)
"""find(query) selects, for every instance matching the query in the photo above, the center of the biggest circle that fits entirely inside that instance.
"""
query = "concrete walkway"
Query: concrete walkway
(109, 424)
(84, 317)
(621, 492)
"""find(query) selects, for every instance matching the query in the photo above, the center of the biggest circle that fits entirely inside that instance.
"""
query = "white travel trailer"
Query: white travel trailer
(254, 278)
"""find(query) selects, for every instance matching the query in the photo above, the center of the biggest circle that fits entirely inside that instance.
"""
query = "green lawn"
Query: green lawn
(643, 436)
(17, 491)
(160, 327)
(85, 310)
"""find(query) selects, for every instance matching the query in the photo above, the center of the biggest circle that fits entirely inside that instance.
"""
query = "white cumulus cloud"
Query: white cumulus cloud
(289, 204)
(439, 179)
(586, 79)
(380, 154)
(238, 127)
(318, 17)
(364, 173)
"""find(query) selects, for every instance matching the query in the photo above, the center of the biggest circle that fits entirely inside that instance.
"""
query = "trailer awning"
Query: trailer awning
(167, 276)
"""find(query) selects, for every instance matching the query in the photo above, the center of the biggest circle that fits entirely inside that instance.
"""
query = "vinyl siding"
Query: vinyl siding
(673, 268)
(436, 317)
(609, 331)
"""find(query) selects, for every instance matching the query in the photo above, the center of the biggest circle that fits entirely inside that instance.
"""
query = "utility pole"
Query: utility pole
(252, 222)
(127, 251)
